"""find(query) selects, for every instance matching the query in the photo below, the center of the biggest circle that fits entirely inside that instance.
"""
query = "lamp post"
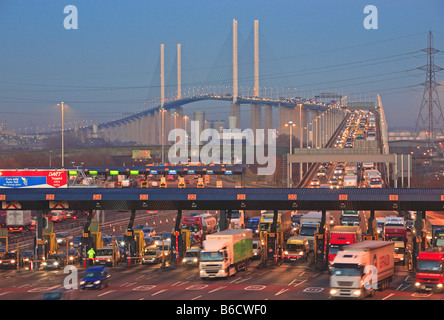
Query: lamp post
(290, 124)
(61, 104)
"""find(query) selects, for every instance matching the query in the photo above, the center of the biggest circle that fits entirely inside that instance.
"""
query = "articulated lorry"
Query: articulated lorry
(435, 231)
(18, 220)
(310, 224)
(226, 252)
(429, 271)
(397, 234)
(341, 236)
(199, 226)
(362, 268)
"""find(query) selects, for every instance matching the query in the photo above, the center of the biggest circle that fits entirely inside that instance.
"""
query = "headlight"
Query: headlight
(195, 260)
(12, 261)
(333, 291)
(97, 282)
(59, 240)
(44, 263)
(71, 243)
(417, 284)
(184, 260)
(71, 258)
(122, 243)
(56, 263)
(82, 282)
(285, 252)
(109, 260)
(357, 293)
(27, 259)
(439, 285)
(301, 253)
(166, 253)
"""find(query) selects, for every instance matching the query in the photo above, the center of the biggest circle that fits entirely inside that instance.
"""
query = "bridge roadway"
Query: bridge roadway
(229, 198)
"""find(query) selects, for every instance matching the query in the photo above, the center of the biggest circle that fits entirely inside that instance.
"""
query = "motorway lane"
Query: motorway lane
(289, 281)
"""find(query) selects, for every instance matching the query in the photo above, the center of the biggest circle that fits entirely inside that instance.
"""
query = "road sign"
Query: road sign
(11, 205)
(58, 205)
(33, 178)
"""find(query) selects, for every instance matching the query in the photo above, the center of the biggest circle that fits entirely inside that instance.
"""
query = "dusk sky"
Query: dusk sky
(109, 66)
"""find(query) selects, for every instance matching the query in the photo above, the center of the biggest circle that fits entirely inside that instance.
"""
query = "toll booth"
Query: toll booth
(163, 183)
(273, 242)
(4, 239)
(50, 241)
(180, 243)
(219, 184)
(200, 183)
(135, 245)
(96, 235)
(181, 183)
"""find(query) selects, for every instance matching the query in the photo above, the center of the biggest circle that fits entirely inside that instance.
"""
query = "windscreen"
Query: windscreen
(308, 230)
(347, 270)
(104, 252)
(211, 256)
(429, 266)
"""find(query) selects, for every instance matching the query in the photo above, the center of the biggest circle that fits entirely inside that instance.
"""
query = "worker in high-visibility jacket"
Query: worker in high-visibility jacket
(91, 254)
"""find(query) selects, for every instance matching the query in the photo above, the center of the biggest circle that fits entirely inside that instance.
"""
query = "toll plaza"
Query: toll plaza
(275, 199)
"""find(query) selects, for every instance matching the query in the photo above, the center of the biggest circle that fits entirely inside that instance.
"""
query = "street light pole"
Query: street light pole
(63, 132)
(290, 171)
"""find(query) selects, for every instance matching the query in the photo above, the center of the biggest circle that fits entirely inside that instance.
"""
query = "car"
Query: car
(27, 256)
(139, 227)
(194, 214)
(149, 241)
(149, 231)
(107, 241)
(192, 257)
(152, 255)
(63, 238)
(166, 235)
(60, 294)
(95, 278)
(55, 261)
(315, 183)
(321, 173)
(324, 186)
(73, 256)
(76, 241)
(257, 249)
(8, 260)
(334, 185)
(157, 240)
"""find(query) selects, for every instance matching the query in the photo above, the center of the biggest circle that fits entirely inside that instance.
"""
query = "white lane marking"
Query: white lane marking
(392, 294)
(106, 293)
(280, 292)
(217, 289)
(195, 298)
(156, 293)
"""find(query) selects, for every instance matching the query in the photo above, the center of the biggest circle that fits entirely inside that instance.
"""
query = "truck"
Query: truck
(350, 218)
(373, 178)
(253, 225)
(341, 236)
(199, 226)
(107, 256)
(226, 252)
(283, 224)
(296, 248)
(429, 271)
(350, 181)
(435, 231)
(397, 234)
(238, 219)
(361, 268)
(18, 220)
(351, 168)
(310, 224)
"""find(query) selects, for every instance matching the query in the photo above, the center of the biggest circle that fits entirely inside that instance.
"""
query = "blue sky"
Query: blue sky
(106, 67)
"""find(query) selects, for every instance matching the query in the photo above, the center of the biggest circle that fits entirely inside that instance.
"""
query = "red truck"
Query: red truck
(341, 236)
(398, 234)
(199, 226)
(429, 271)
